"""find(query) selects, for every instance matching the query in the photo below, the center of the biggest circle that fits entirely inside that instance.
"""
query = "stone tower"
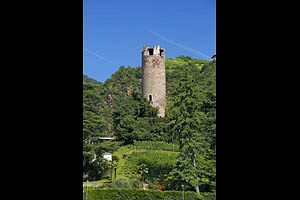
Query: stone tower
(154, 77)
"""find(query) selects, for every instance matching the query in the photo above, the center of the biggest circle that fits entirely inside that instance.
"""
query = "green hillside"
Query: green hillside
(87, 79)
(116, 108)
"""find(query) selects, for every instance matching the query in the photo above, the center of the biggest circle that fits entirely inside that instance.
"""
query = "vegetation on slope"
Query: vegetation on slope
(116, 108)
(158, 162)
(87, 79)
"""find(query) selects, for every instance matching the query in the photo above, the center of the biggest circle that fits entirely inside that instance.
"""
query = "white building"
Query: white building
(107, 156)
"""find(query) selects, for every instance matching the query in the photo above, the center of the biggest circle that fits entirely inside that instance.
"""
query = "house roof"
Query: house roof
(105, 138)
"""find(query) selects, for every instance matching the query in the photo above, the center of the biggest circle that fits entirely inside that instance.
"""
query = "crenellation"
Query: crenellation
(145, 50)
(156, 50)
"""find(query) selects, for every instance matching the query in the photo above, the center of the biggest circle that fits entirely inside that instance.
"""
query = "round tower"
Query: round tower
(154, 77)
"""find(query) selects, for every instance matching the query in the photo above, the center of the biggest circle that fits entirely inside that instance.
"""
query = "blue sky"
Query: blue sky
(115, 31)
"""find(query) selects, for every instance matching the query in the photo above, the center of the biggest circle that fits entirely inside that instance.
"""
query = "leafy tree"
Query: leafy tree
(143, 170)
(94, 125)
(114, 165)
(136, 119)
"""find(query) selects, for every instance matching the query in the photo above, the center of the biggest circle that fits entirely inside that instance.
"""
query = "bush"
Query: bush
(124, 183)
(133, 194)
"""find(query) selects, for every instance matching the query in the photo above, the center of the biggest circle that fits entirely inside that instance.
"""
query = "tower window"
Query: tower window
(161, 52)
(150, 97)
(150, 51)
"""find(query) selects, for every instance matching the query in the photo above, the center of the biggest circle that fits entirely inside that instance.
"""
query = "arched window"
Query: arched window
(150, 97)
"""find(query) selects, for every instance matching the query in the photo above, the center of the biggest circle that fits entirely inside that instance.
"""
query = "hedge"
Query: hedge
(209, 196)
(135, 194)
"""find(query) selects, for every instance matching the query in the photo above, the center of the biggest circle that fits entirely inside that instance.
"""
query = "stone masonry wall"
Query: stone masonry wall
(154, 77)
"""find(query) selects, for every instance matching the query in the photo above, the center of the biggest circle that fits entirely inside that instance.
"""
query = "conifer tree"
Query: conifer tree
(190, 123)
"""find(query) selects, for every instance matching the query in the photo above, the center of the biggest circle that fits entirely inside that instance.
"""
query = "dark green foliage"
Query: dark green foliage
(87, 79)
(96, 120)
(193, 122)
(129, 118)
(116, 108)
(134, 194)
(97, 116)
(135, 119)
(124, 83)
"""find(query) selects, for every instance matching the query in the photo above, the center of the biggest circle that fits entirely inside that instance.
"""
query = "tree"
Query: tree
(143, 170)
(114, 165)
(193, 125)
(94, 125)
(136, 119)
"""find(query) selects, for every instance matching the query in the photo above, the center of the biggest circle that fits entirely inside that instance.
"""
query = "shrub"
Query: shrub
(133, 194)
(124, 183)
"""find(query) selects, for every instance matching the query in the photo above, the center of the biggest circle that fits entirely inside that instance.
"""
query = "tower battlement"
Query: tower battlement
(146, 51)
(154, 77)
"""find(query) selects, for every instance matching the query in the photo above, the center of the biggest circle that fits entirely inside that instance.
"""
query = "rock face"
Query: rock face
(154, 77)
